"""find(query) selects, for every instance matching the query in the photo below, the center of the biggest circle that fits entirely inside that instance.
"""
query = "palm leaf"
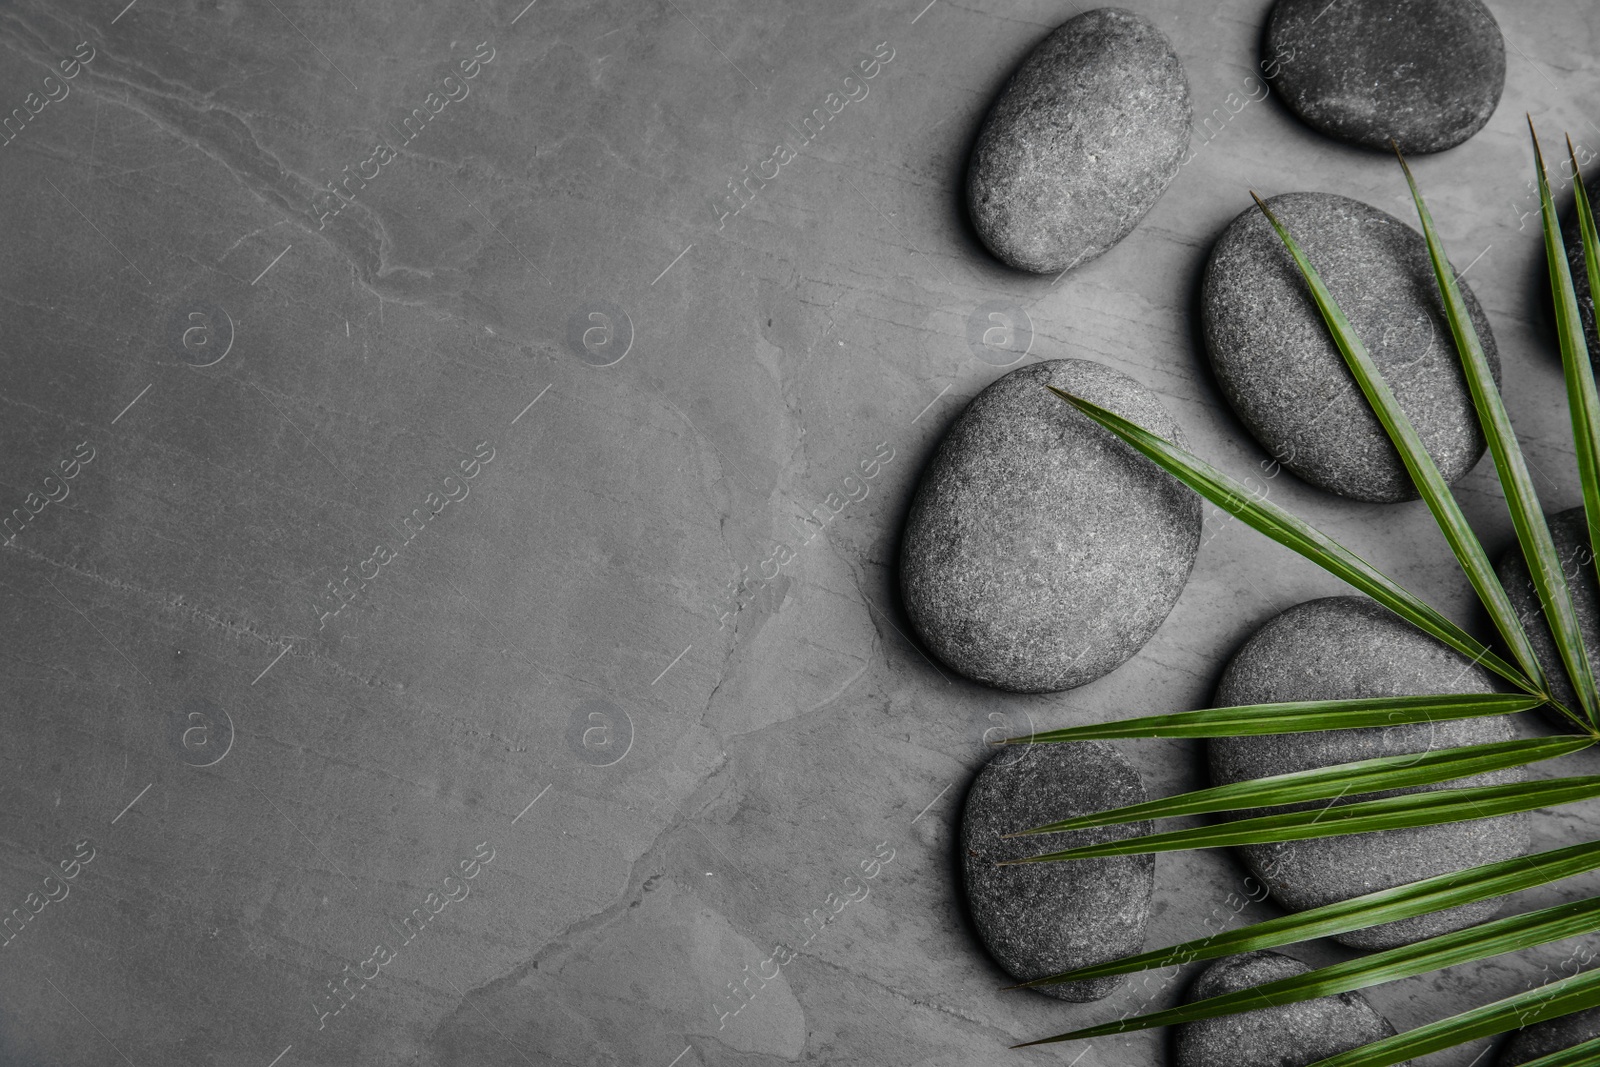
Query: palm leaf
(1295, 533)
(1549, 1001)
(1324, 783)
(1424, 897)
(1302, 716)
(1591, 259)
(1584, 1055)
(1482, 941)
(1365, 816)
(1522, 500)
(1424, 472)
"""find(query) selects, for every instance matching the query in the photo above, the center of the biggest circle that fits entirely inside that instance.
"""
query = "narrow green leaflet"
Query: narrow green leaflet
(1435, 491)
(1293, 717)
(1338, 820)
(1294, 533)
(1454, 889)
(1577, 993)
(1325, 783)
(1527, 516)
(1435, 953)
(1588, 449)
(1584, 1055)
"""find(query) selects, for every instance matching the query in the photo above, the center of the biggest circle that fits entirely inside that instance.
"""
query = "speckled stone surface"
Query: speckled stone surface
(1081, 142)
(1346, 647)
(1427, 73)
(1278, 365)
(1040, 552)
(1290, 1035)
(1570, 532)
(1044, 918)
(1575, 258)
(1552, 1035)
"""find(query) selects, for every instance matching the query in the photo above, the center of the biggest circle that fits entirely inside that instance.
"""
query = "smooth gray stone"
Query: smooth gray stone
(1349, 647)
(1044, 918)
(1427, 73)
(1570, 532)
(1292, 1035)
(1040, 552)
(1084, 138)
(1279, 368)
(1552, 1035)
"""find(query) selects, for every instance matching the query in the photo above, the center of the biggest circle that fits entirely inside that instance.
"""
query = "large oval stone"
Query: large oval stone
(1427, 73)
(1343, 648)
(1290, 1035)
(1570, 532)
(1040, 552)
(1084, 138)
(1552, 1035)
(1280, 370)
(1038, 919)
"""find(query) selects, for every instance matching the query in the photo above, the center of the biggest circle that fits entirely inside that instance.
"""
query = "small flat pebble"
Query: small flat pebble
(1038, 919)
(1040, 552)
(1427, 73)
(1083, 139)
(1279, 368)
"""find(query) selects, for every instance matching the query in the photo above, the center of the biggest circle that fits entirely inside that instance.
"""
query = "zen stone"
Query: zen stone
(1040, 552)
(1552, 1035)
(1427, 73)
(1570, 532)
(1038, 919)
(1575, 260)
(1280, 370)
(1290, 1035)
(1344, 648)
(1084, 138)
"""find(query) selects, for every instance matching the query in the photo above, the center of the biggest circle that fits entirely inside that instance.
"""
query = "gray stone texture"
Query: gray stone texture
(1279, 368)
(1082, 141)
(1040, 551)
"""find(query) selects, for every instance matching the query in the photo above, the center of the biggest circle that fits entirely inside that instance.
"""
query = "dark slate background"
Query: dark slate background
(555, 670)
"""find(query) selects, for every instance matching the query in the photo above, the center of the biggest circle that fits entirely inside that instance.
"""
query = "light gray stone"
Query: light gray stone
(1427, 73)
(1290, 1035)
(1044, 918)
(1041, 552)
(1349, 647)
(1279, 368)
(1084, 138)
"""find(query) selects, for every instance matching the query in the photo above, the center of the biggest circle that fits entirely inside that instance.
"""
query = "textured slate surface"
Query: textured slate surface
(707, 764)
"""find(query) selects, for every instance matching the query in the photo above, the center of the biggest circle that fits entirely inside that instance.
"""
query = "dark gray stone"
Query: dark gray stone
(1044, 918)
(1277, 363)
(1575, 260)
(1084, 138)
(1552, 1035)
(1040, 551)
(1427, 73)
(1570, 532)
(1291, 1035)
(1342, 648)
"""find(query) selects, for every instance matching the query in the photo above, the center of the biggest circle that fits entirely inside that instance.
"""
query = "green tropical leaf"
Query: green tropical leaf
(1585, 372)
(1291, 717)
(1522, 500)
(1424, 897)
(1550, 1001)
(1295, 533)
(1494, 938)
(1339, 780)
(1338, 820)
(1424, 472)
